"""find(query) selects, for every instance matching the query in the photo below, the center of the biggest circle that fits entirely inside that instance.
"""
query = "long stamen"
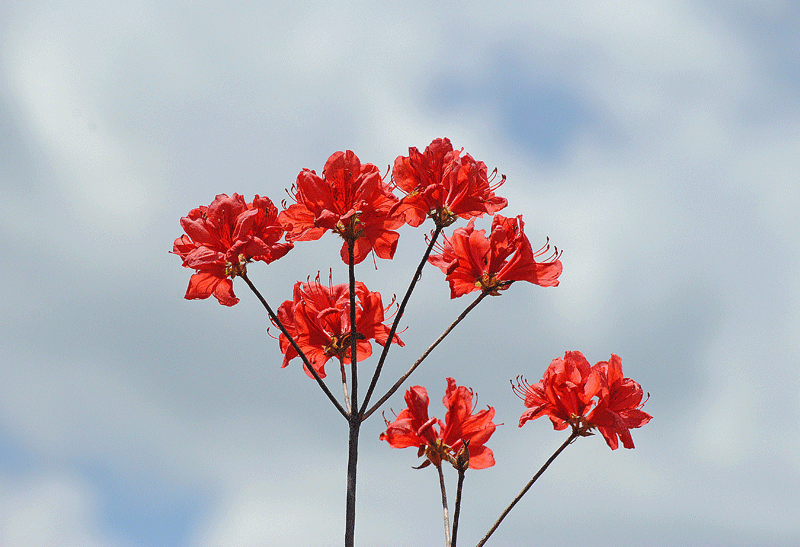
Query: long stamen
(491, 178)
(522, 387)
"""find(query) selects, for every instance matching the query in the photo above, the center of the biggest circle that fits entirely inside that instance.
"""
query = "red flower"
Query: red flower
(474, 262)
(222, 238)
(565, 393)
(443, 185)
(446, 440)
(574, 393)
(318, 318)
(349, 199)
(619, 408)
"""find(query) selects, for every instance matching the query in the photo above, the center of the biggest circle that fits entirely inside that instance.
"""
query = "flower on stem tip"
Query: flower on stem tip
(574, 393)
(318, 318)
(474, 262)
(460, 439)
(350, 199)
(222, 238)
(442, 184)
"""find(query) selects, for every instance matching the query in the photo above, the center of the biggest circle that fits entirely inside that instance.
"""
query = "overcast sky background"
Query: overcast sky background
(656, 143)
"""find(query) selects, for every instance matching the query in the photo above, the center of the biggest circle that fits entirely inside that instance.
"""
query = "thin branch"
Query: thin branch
(444, 507)
(302, 355)
(403, 378)
(572, 437)
(457, 510)
(400, 310)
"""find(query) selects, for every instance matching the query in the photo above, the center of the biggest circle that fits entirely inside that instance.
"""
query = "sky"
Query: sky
(655, 144)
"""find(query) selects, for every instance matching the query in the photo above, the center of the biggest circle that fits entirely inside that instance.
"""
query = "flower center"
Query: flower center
(492, 286)
(350, 231)
(239, 268)
(339, 345)
(442, 217)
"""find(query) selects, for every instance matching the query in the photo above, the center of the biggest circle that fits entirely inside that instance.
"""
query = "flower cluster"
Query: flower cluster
(318, 319)
(460, 439)
(574, 393)
(442, 184)
(326, 321)
(474, 262)
(222, 238)
(350, 199)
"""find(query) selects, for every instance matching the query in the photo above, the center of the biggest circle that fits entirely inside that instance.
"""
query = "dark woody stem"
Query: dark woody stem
(400, 310)
(457, 510)
(574, 435)
(403, 378)
(288, 336)
(444, 507)
(353, 417)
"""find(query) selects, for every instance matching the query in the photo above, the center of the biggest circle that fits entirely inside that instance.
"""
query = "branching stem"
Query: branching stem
(427, 352)
(302, 355)
(400, 310)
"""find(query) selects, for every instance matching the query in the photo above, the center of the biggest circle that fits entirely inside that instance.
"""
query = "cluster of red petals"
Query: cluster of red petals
(562, 393)
(574, 393)
(222, 238)
(619, 408)
(350, 199)
(474, 262)
(318, 319)
(443, 184)
(446, 440)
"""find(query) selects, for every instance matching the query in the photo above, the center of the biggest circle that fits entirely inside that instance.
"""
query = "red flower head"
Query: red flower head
(222, 238)
(461, 433)
(442, 184)
(574, 393)
(474, 262)
(565, 393)
(619, 408)
(350, 199)
(318, 318)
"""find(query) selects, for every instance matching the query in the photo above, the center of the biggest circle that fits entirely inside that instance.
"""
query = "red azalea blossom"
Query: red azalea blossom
(350, 199)
(565, 393)
(318, 318)
(574, 393)
(446, 440)
(619, 408)
(474, 262)
(222, 238)
(442, 184)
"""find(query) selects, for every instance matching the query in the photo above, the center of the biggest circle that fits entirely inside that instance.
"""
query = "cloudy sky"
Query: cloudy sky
(655, 143)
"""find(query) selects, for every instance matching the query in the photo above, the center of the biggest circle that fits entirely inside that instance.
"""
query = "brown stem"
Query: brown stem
(300, 352)
(444, 507)
(352, 466)
(572, 437)
(400, 310)
(353, 416)
(457, 510)
(427, 352)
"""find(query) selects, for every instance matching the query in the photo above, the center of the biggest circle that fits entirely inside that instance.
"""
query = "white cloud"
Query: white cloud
(50, 509)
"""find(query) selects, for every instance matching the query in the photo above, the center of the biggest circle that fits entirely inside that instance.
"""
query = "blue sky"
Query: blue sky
(655, 143)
